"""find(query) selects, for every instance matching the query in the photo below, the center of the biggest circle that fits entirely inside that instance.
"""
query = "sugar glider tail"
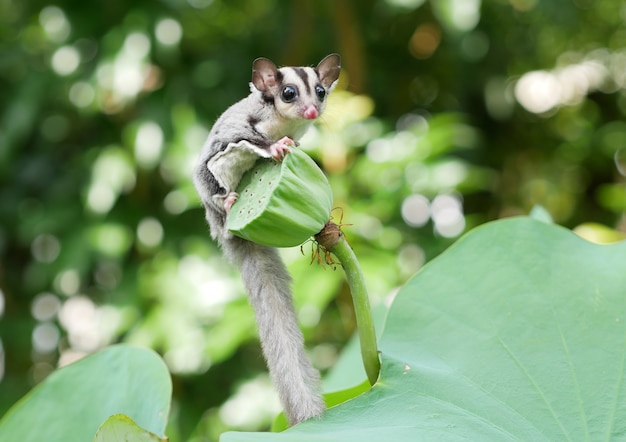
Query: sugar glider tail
(268, 284)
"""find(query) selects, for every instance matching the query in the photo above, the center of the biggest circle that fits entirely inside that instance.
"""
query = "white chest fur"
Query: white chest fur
(277, 128)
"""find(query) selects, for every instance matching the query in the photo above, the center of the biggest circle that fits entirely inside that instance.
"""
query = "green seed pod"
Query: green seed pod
(281, 204)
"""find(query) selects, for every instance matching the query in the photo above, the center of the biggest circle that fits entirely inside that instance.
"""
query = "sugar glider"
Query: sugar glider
(282, 105)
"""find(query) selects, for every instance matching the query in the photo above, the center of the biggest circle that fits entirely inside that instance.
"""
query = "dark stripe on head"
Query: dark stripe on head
(304, 75)
(267, 98)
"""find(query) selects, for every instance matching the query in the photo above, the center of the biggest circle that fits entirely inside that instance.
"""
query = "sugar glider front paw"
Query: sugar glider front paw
(282, 147)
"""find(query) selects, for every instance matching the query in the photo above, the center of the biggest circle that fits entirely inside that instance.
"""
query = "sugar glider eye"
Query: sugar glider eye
(289, 94)
(320, 92)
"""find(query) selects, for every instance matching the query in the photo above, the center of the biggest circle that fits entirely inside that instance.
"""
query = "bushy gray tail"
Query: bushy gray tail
(268, 285)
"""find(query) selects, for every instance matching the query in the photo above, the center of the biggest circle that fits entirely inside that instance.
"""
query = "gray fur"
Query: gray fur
(244, 132)
(268, 284)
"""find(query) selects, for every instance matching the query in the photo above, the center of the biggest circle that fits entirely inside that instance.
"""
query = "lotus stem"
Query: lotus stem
(333, 240)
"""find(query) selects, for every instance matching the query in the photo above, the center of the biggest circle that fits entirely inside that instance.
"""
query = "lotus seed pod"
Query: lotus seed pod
(281, 204)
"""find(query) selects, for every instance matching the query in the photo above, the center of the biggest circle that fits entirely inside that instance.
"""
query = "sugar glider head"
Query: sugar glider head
(296, 92)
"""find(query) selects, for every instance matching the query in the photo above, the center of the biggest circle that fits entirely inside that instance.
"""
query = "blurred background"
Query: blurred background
(449, 113)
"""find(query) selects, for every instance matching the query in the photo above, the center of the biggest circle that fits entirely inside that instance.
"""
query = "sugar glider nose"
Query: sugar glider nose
(310, 112)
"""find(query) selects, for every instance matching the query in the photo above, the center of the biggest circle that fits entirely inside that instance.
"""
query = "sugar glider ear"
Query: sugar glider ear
(264, 74)
(329, 69)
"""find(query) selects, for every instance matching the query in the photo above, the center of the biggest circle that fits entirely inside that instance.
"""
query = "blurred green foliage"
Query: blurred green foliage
(449, 113)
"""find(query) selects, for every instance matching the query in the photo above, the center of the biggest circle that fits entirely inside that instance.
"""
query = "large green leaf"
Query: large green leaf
(517, 332)
(72, 403)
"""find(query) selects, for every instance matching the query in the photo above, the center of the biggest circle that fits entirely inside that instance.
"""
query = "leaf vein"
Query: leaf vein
(618, 387)
(575, 380)
(536, 386)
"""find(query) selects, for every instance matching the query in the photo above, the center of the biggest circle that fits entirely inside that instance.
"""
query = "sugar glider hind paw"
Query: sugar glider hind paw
(230, 199)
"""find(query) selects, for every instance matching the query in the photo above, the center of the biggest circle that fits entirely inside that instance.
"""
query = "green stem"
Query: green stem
(364, 321)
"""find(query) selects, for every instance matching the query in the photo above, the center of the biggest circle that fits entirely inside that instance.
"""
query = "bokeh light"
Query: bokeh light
(168, 32)
(148, 144)
(254, 402)
(176, 202)
(55, 23)
(46, 337)
(82, 94)
(424, 41)
(112, 174)
(65, 60)
(543, 91)
(447, 214)
(45, 306)
(67, 282)
(416, 210)
(45, 248)
(150, 232)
